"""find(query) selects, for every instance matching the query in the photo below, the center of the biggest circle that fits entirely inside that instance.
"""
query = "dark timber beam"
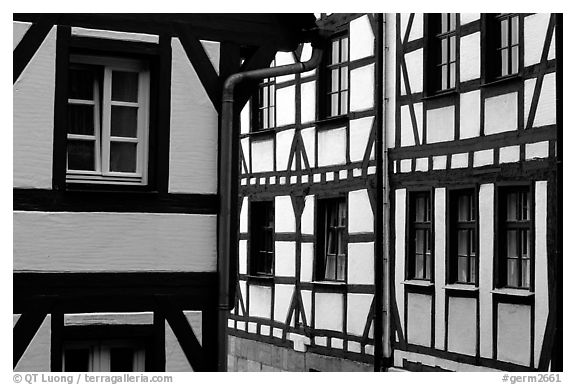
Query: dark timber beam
(26, 328)
(30, 43)
(259, 59)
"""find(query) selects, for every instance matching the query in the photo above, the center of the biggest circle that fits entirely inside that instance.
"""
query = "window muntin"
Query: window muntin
(337, 75)
(463, 238)
(420, 236)
(103, 356)
(332, 244)
(262, 238)
(107, 120)
(515, 245)
(508, 48)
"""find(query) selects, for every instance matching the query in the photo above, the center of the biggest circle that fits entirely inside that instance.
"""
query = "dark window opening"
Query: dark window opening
(442, 48)
(420, 236)
(336, 74)
(332, 240)
(262, 238)
(463, 262)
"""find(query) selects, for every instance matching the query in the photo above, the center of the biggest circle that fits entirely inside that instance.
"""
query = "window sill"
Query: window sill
(263, 132)
(502, 80)
(261, 279)
(332, 121)
(508, 291)
(441, 94)
(109, 188)
(418, 282)
(461, 287)
(335, 286)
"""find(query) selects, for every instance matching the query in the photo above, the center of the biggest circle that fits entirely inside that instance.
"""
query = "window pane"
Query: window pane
(265, 118)
(419, 241)
(80, 119)
(452, 75)
(444, 22)
(444, 84)
(125, 86)
(335, 53)
(331, 242)
(123, 157)
(525, 273)
(525, 214)
(81, 155)
(463, 208)
(272, 92)
(121, 359)
(341, 243)
(428, 260)
(334, 104)
(512, 247)
(264, 100)
(76, 360)
(452, 21)
(512, 276)
(344, 50)
(330, 269)
(462, 269)
(444, 47)
(80, 84)
(514, 31)
(124, 121)
(419, 209)
(344, 78)
(463, 242)
(511, 200)
(504, 61)
(344, 102)
(341, 272)
(514, 59)
(504, 33)
(472, 262)
(452, 48)
(524, 244)
(272, 117)
(419, 266)
(334, 84)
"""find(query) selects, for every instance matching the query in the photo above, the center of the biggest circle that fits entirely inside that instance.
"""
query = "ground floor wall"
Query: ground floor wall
(246, 355)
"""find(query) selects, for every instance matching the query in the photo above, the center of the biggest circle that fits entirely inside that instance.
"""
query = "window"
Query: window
(337, 77)
(262, 238)
(107, 120)
(503, 30)
(515, 237)
(463, 237)
(264, 111)
(331, 240)
(420, 236)
(104, 356)
(442, 66)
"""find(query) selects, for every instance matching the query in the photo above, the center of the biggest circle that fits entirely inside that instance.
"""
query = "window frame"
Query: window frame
(324, 206)
(103, 104)
(433, 81)
(491, 34)
(503, 225)
(257, 105)
(411, 227)
(454, 226)
(325, 78)
(99, 354)
(258, 231)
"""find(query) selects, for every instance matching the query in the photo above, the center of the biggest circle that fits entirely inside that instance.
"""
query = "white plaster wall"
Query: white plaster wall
(260, 301)
(83, 319)
(362, 88)
(245, 119)
(459, 160)
(536, 150)
(406, 165)
(407, 132)
(361, 38)
(19, 29)
(282, 298)
(309, 140)
(419, 327)
(307, 219)
(262, 153)
(331, 147)
(243, 290)
(404, 18)
(462, 325)
(535, 27)
(284, 220)
(113, 242)
(439, 162)
(176, 360)
(417, 30)
(486, 258)
(307, 303)
(469, 114)
(466, 18)
(546, 109)
(360, 215)
(358, 308)
(308, 102)
(509, 154)
(114, 35)
(359, 135)
(283, 145)
(243, 256)
(513, 333)
(33, 119)
(285, 106)
(306, 261)
(440, 125)
(283, 58)
(328, 312)
(244, 215)
(285, 259)
(501, 113)
(414, 62)
(36, 358)
(400, 228)
(421, 164)
(439, 264)
(541, 267)
(245, 143)
(483, 158)
(361, 263)
(193, 129)
(552, 51)
(470, 57)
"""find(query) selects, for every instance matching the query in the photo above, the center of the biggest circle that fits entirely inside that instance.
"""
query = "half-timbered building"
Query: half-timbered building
(474, 185)
(122, 193)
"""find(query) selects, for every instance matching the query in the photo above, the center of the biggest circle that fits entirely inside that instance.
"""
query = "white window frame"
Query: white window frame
(102, 123)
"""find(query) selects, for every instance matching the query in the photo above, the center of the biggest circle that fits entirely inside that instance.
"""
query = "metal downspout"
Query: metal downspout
(228, 198)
